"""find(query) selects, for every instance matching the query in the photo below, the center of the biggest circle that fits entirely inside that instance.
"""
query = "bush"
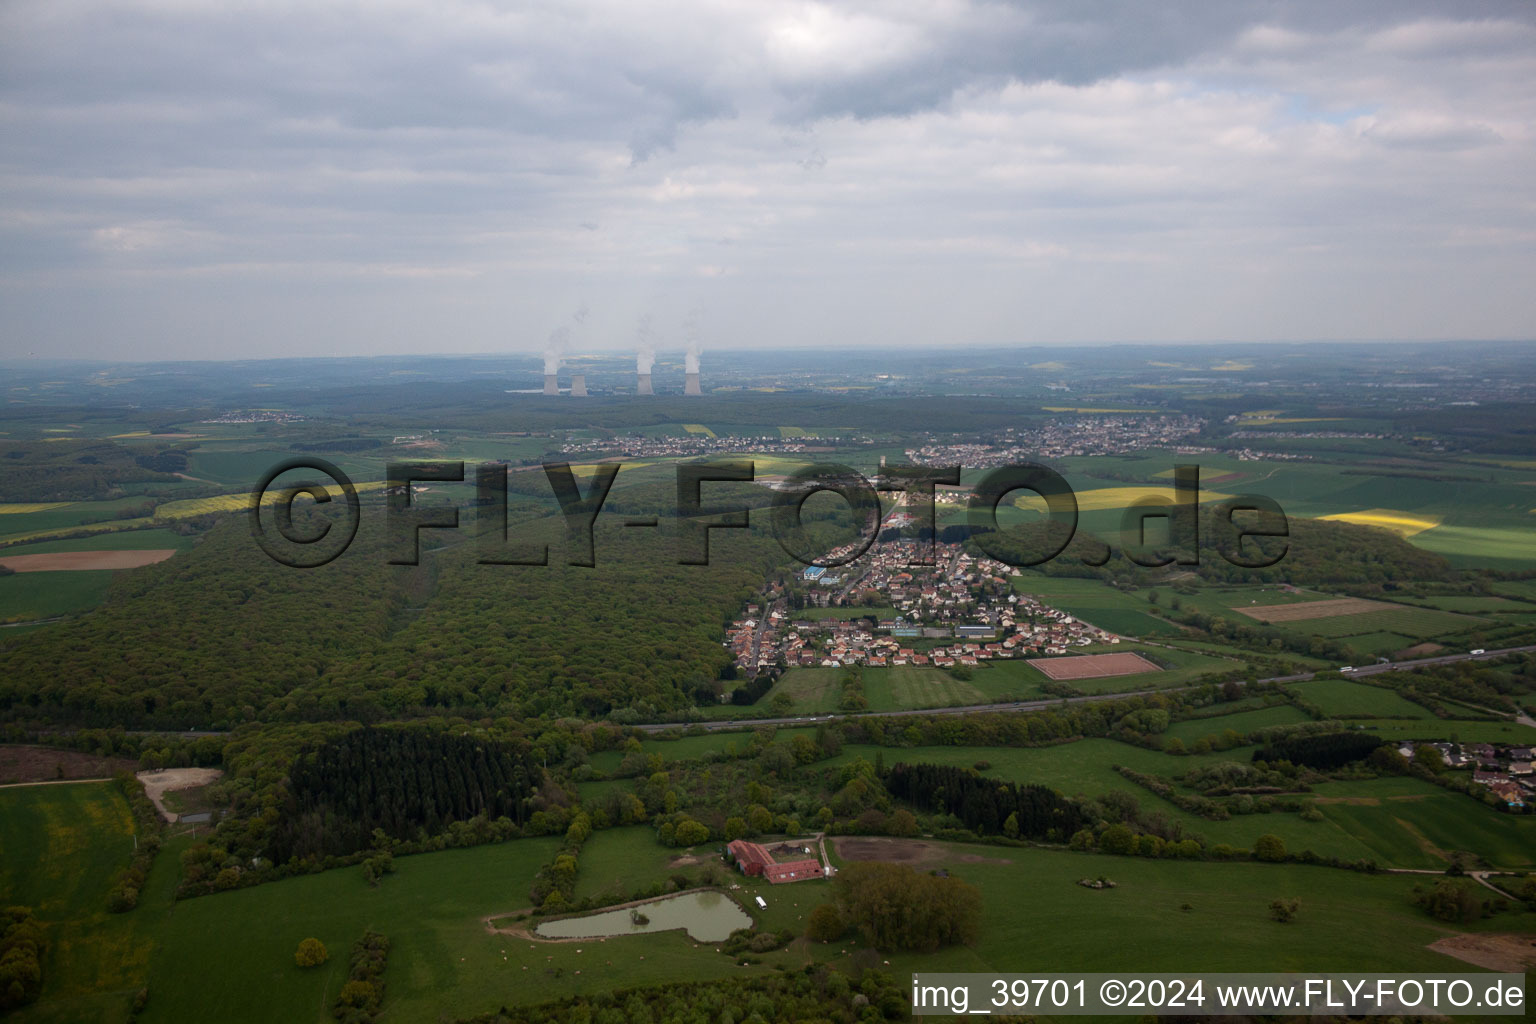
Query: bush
(826, 924)
(311, 953)
(21, 947)
(1284, 910)
(1269, 847)
(1117, 839)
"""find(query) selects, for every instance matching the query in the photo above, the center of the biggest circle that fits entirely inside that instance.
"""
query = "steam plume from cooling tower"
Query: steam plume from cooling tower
(645, 346)
(691, 341)
(555, 348)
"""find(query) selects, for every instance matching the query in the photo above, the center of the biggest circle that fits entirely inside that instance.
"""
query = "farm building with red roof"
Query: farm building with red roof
(758, 862)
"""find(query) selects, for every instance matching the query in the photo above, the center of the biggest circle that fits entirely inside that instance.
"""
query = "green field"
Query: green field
(688, 748)
(441, 954)
(433, 909)
(1085, 770)
(1380, 644)
(44, 595)
(60, 845)
(1242, 722)
(1452, 729)
(1472, 604)
(1423, 623)
(1097, 603)
(1341, 697)
(1084, 767)
(127, 540)
(67, 514)
(1405, 821)
(818, 689)
(619, 861)
(1346, 921)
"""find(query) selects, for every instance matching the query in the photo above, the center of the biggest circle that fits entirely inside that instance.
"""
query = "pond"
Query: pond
(707, 917)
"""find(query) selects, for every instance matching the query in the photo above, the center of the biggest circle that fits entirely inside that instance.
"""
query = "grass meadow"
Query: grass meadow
(1340, 697)
(1094, 602)
(1036, 918)
(229, 957)
(60, 845)
(25, 596)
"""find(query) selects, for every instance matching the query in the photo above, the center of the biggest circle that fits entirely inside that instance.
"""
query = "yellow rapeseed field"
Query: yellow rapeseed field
(1112, 497)
(1404, 524)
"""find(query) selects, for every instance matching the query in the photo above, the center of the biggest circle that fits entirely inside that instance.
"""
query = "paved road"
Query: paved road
(1036, 705)
(1371, 670)
(763, 624)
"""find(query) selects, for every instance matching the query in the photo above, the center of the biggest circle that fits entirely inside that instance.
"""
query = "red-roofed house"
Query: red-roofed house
(756, 861)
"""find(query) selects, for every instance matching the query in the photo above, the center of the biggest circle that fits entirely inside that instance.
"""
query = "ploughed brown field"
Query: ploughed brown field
(23, 763)
(917, 852)
(1314, 609)
(64, 560)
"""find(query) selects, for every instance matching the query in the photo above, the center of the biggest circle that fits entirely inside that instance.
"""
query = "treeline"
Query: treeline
(21, 955)
(894, 907)
(986, 805)
(70, 471)
(403, 782)
(816, 993)
(124, 894)
(752, 691)
(362, 995)
(1324, 752)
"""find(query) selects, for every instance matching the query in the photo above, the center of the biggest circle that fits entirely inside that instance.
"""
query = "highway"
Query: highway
(1038, 705)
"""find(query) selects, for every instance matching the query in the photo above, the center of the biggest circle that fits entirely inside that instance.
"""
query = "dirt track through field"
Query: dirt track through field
(1314, 609)
(67, 560)
(1094, 666)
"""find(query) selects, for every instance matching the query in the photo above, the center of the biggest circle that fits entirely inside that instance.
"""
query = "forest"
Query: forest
(400, 781)
(76, 471)
(225, 635)
(1323, 751)
(986, 806)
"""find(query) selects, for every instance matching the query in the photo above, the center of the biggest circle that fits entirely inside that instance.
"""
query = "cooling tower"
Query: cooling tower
(692, 387)
(643, 384)
(578, 385)
(551, 384)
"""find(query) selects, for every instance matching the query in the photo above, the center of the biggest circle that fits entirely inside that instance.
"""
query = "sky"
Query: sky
(226, 179)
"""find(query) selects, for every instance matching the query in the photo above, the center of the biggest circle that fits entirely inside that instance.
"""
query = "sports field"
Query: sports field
(1093, 666)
